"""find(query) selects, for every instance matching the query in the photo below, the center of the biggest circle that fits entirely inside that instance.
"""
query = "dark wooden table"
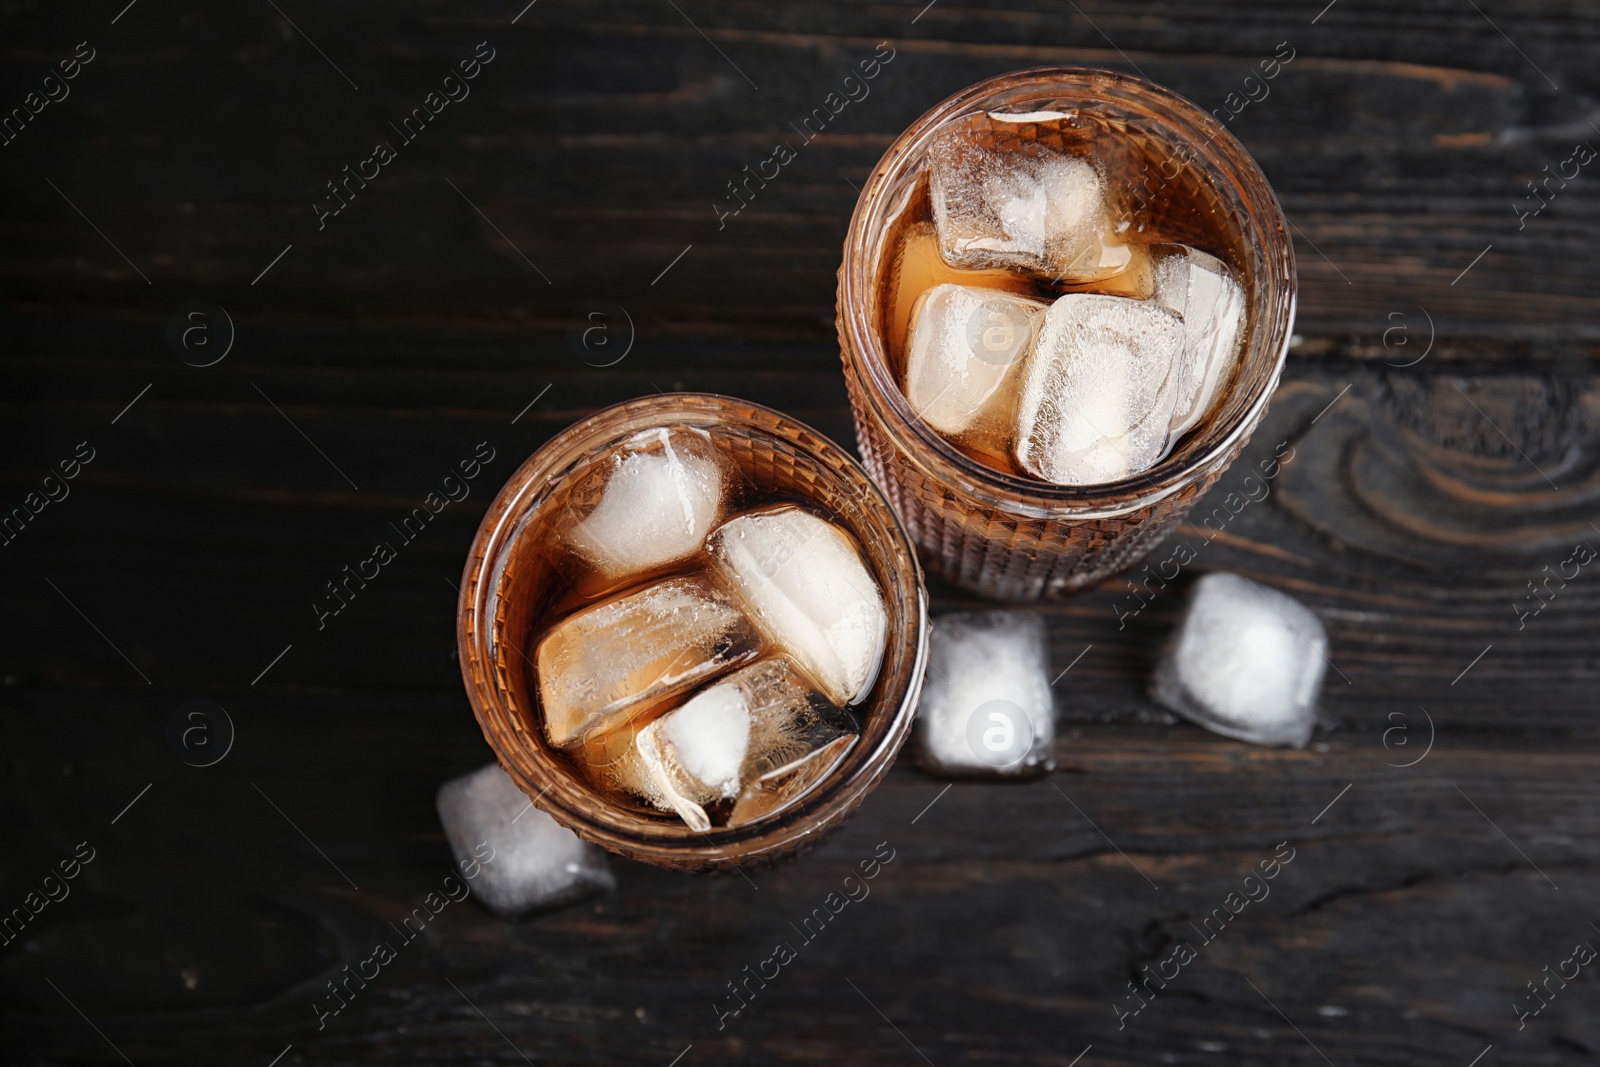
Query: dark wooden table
(1441, 400)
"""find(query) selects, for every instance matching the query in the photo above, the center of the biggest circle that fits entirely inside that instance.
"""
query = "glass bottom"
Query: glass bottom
(1005, 556)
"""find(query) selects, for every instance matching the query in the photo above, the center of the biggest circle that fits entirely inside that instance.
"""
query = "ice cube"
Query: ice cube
(917, 268)
(1022, 205)
(1246, 661)
(797, 738)
(746, 746)
(524, 859)
(1098, 397)
(610, 758)
(658, 496)
(602, 665)
(968, 350)
(986, 705)
(1201, 289)
(692, 755)
(1137, 281)
(803, 581)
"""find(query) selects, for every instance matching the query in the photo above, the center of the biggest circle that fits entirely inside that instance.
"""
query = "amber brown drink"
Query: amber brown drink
(983, 493)
(662, 685)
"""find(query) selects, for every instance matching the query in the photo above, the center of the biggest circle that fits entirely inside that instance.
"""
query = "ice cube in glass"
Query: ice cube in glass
(1097, 401)
(802, 580)
(966, 363)
(648, 504)
(608, 662)
(918, 267)
(742, 748)
(1201, 289)
(1022, 204)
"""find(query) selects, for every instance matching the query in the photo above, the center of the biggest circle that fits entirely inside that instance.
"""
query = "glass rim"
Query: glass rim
(544, 774)
(1273, 299)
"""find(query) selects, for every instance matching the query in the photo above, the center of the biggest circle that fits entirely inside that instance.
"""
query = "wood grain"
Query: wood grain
(1423, 496)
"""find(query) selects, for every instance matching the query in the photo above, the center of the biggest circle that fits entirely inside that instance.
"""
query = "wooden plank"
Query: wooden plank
(1006, 926)
(1391, 203)
(1425, 508)
(1401, 514)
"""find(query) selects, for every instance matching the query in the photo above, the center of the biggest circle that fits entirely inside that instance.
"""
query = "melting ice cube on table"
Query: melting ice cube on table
(602, 665)
(1025, 206)
(746, 746)
(1099, 394)
(658, 496)
(803, 581)
(1246, 661)
(524, 859)
(986, 705)
(968, 348)
(1201, 289)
